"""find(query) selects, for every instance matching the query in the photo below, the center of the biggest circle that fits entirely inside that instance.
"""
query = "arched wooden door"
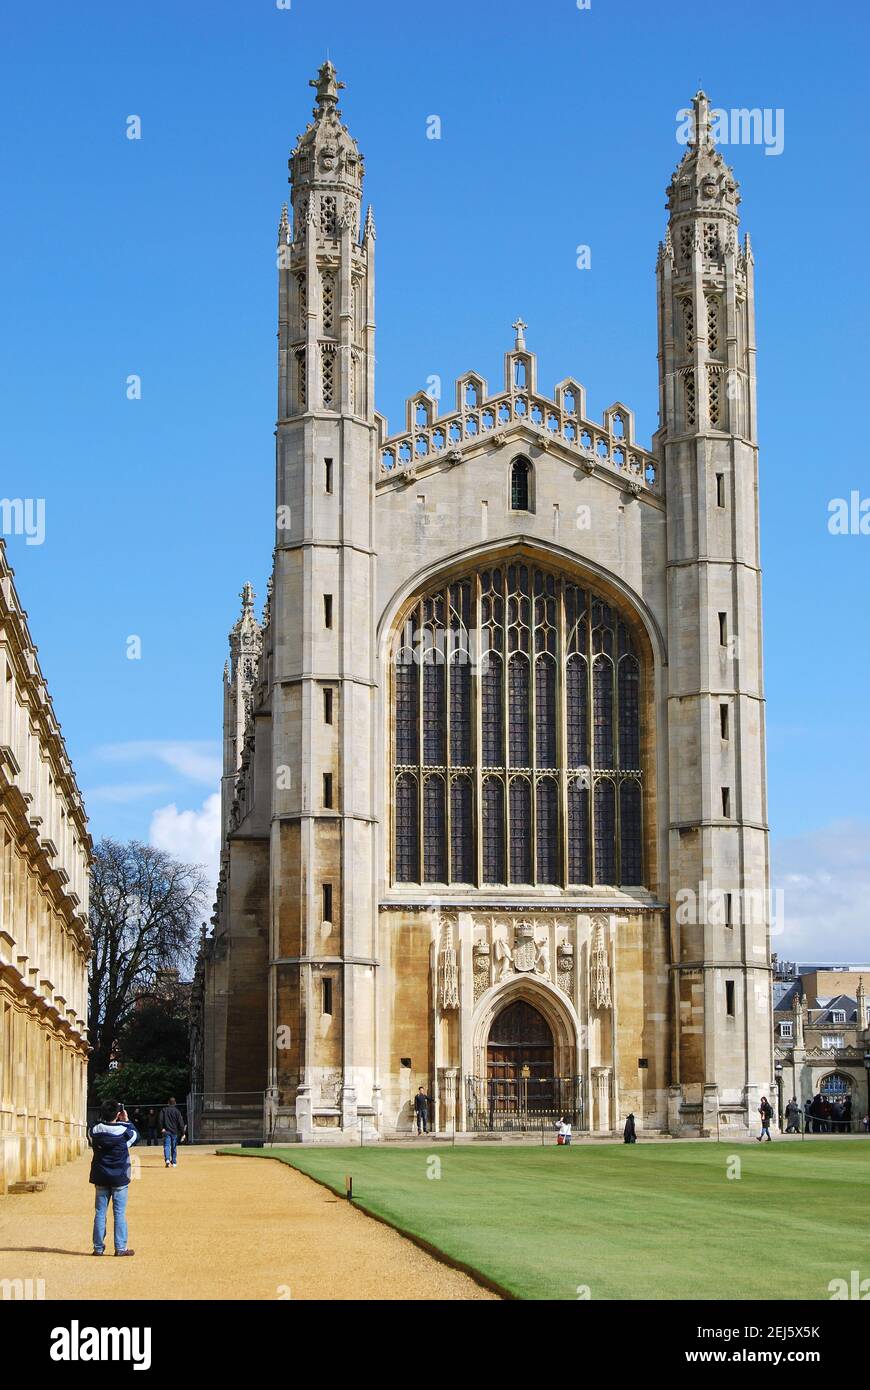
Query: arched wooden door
(519, 1060)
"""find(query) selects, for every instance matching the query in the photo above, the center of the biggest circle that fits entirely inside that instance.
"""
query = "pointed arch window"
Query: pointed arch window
(520, 485)
(407, 829)
(462, 839)
(521, 830)
(434, 838)
(526, 765)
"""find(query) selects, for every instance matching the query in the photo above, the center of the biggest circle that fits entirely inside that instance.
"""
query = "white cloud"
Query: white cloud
(192, 836)
(198, 760)
(824, 875)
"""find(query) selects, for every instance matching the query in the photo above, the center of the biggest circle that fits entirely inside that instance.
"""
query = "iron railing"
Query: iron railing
(523, 1104)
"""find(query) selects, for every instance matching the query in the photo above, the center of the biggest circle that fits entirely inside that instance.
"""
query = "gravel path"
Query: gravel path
(216, 1228)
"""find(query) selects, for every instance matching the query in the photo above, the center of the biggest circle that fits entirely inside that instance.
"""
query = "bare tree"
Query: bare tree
(144, 914)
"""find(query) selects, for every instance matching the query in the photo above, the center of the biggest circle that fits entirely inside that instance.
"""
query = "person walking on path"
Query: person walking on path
(564, 1130)
(792, 1115)
(173, 1129)
(765, 1110)
(629, 1134)
(111, 1140)
(422, 1102)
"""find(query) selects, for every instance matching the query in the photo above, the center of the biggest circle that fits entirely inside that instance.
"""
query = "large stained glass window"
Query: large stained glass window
(516, 735)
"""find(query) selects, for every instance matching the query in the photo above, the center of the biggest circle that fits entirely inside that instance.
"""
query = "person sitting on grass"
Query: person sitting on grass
(111, 1141)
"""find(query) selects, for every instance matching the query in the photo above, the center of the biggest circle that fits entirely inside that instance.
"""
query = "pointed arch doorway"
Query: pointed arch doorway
(520, 1061)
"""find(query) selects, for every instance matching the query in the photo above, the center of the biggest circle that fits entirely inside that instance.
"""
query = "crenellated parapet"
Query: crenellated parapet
(481, 418)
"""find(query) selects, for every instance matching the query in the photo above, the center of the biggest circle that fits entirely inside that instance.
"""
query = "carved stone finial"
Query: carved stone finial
(520, 330)
(284, 227)
(369, 228)
(327, 88)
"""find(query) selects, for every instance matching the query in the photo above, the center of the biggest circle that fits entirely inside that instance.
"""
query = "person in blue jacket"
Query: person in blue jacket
(111, 1141)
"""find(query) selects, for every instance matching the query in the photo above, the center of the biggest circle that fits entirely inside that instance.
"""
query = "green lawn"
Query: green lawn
(627, 1221)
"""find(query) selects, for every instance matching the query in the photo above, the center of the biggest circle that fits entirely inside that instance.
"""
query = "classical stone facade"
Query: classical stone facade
(44, 941)
(497, 742)
(821, 1026)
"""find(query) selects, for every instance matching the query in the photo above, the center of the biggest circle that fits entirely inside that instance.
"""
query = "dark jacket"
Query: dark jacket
(421, 1104)
(110, 1165)
(172, 1120)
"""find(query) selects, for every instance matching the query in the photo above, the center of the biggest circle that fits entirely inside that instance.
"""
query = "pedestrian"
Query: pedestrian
(111, 1140)
(808, 1116)
(629, 1135)
(765, 1110)
(837, 1117)
(565, 1130)
(173, 1129)
(847, 1114)
(153, 1136)
(792, 1115)
(422, 1101)
(826, 1111)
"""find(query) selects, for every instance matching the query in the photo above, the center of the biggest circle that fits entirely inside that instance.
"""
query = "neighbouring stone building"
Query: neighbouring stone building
(494, 795)
(45, 854)
(821, 1033)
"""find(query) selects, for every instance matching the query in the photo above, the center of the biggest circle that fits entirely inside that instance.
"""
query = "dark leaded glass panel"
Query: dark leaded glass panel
(547, 830)
(629, 713)
(518, 681)
(545, 712)
(434, 727)
(578, 833)
(492, 699)
(602, 711)
(630, 834)
(434, 831)
(493, 831)
(519, 485)
(577, 712)
(521, 830)
(462, 842)
(406, 673)
(460, 711)
(407, 830)
(605, 832)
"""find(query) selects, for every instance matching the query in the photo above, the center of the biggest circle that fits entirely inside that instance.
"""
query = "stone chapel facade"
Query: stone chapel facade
(497, 742)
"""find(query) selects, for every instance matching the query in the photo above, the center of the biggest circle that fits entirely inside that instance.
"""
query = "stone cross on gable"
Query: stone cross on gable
(520, 328)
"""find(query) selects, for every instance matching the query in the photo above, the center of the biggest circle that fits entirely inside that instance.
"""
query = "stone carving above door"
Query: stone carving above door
(514, 947)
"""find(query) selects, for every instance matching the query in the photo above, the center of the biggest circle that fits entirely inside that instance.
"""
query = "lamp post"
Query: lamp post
(777, 1067)
(867, 1069)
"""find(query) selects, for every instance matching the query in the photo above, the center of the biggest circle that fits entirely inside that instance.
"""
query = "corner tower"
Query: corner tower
(718, 846)
(322, 838)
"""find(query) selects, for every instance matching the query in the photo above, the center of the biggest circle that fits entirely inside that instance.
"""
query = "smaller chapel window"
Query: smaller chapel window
(520, 470)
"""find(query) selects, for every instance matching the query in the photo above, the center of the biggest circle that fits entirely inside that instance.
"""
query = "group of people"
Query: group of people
(111, 1140)
(820, 1115)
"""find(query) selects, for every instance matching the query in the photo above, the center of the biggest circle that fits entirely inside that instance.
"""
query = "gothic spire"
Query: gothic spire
(702, 182)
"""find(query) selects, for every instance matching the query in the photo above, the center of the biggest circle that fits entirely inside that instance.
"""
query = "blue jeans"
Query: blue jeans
(170, 1145)
(118, 1197)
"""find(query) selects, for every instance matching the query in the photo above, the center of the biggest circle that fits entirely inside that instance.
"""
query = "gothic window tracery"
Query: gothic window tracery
(516, 734)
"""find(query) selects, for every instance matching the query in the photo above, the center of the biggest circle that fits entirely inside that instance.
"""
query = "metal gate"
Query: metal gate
(523, 1104)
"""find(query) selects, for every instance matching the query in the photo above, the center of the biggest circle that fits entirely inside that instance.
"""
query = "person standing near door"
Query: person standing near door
(422, 1101)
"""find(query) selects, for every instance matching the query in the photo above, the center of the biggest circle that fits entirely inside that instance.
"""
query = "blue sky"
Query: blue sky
(156, 257)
